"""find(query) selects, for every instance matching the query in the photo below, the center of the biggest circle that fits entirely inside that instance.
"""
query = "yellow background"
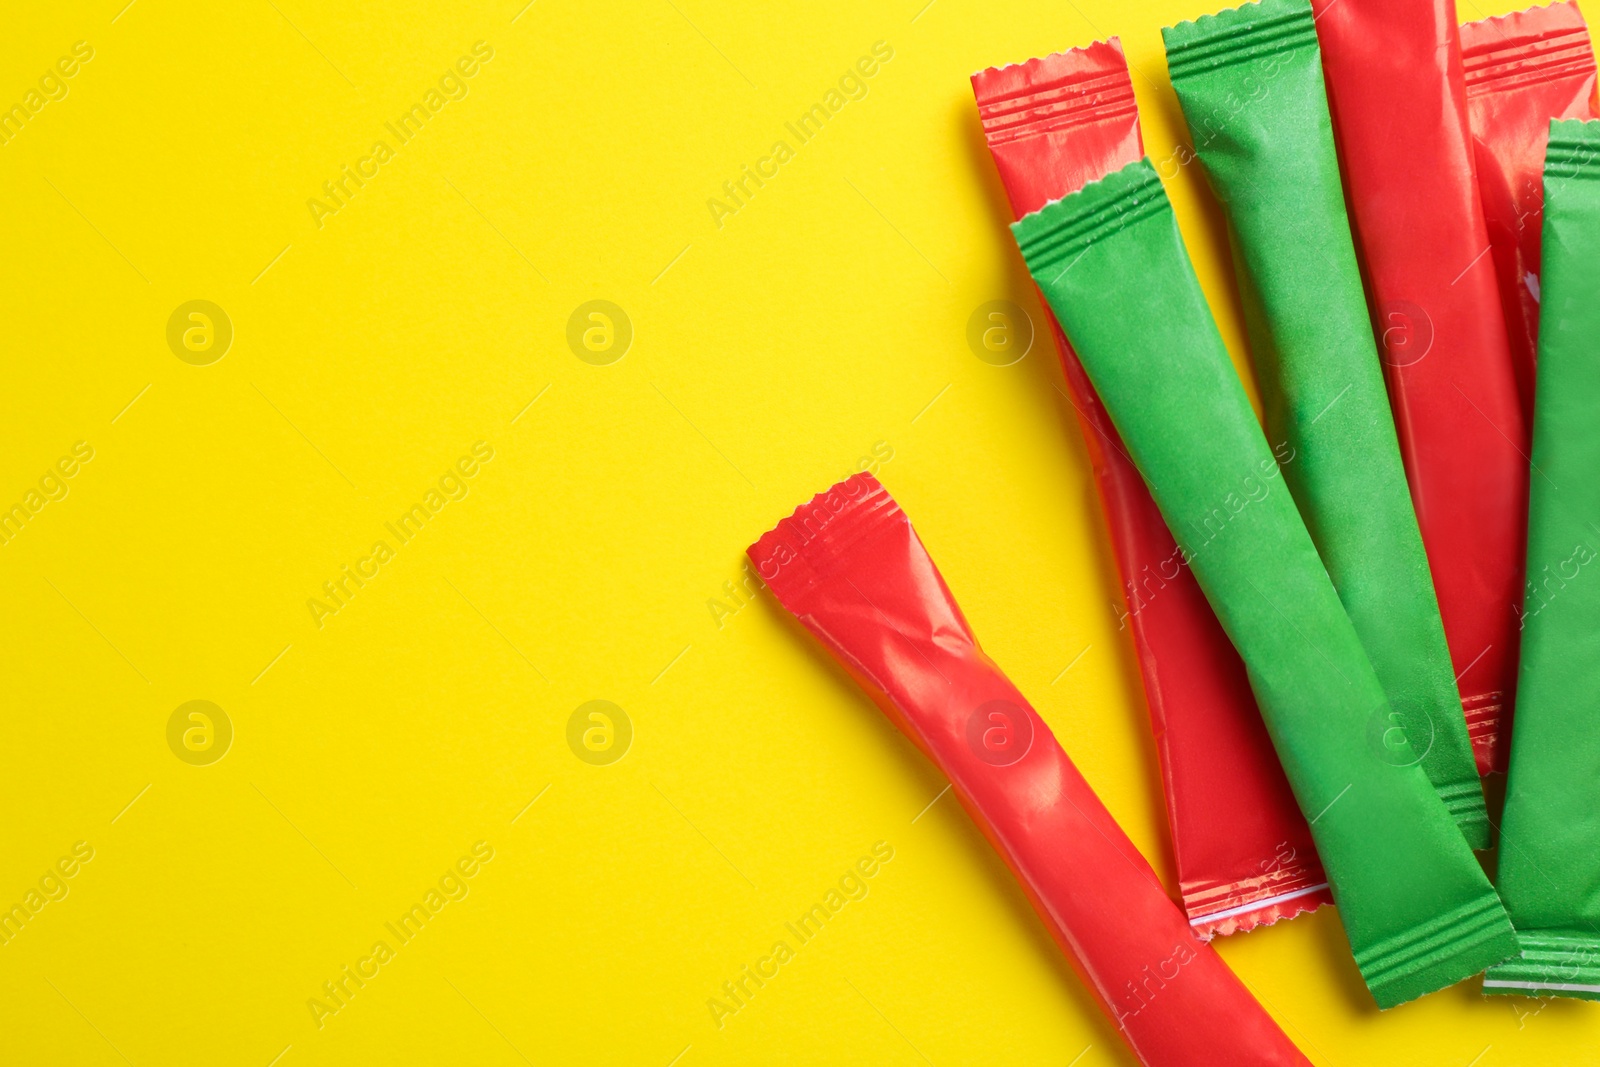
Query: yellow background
(770, 356)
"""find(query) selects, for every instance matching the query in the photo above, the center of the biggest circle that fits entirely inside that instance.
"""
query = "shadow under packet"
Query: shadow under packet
(1243, 852)
(1250, 84)
(851, 569)
(1417, 908)
(1521, 71)
(1550, 850)
(1395, 88)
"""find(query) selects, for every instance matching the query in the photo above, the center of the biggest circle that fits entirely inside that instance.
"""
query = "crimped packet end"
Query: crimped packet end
(1279, 905)
(1574, 150)
(1054, 94)
(1238, 35)
(1063, 228)
(1438, 953)
(1540, 44)
(804, 548)
(1561, 963)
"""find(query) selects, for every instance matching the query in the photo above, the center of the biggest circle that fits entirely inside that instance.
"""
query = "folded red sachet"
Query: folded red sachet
(849, 566)
(1244, 852)
(1395, 89)
(1522, 70)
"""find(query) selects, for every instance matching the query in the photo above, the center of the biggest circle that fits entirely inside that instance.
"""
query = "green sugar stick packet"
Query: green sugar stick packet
(1550, 837)
(1250, 82)
(1417, 908)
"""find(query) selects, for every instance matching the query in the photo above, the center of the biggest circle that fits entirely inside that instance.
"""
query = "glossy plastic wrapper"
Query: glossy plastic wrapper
(1550, 855)
(1250, 83)
(1243, 852)
(849, 566)
(1394, 82)
(1417, 909)
(1522, 70)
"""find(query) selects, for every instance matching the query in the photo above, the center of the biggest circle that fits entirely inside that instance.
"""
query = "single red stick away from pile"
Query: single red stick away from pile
(849, 566)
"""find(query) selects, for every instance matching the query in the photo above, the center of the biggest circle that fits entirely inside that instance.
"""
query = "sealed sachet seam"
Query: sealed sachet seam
(1524, 56)
(1398, 966)
(1073, 223)
(1574, 149)
(1076, 99)
(1238, 35)
(813, 554)
(1285, 892)
(1566, 961)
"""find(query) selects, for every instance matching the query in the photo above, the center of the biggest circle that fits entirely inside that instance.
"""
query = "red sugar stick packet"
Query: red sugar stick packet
(1394, 79)
(1522, 70)
(849, 566)
(1244, 852)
